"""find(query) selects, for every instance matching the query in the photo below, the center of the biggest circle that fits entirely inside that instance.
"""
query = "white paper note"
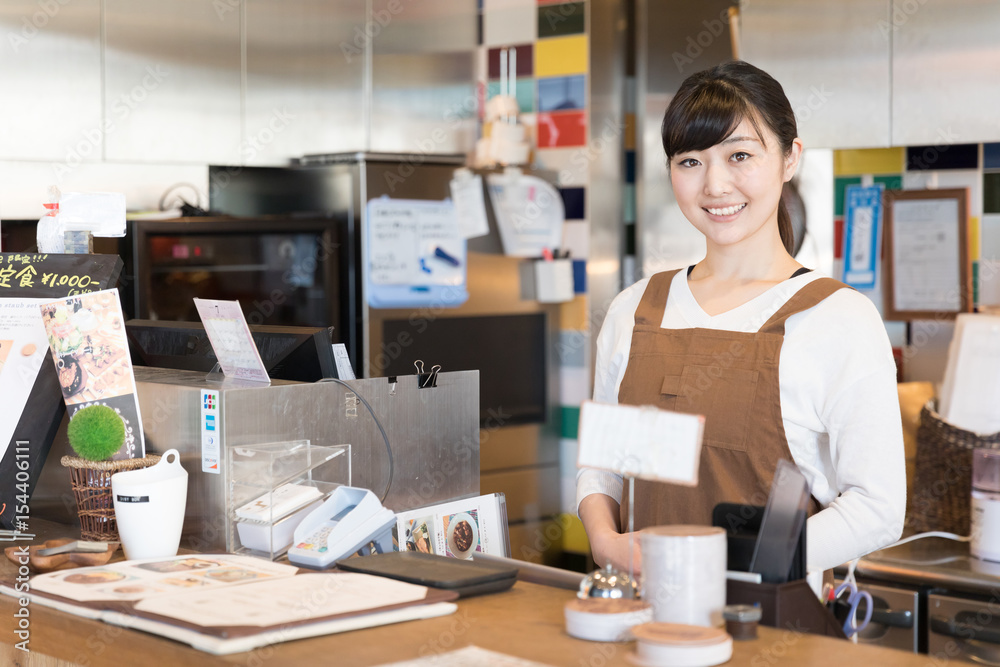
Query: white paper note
(229, 334)
(470, 205)
(927, 275)
(643, 442)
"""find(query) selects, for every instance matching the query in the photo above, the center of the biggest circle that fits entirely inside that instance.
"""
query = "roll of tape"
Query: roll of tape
(674, 645)
(684, 573)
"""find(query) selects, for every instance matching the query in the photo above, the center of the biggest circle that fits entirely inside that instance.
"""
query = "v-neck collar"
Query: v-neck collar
(696, 316)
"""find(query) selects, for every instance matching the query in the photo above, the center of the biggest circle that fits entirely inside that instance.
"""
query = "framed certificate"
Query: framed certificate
(929, 275)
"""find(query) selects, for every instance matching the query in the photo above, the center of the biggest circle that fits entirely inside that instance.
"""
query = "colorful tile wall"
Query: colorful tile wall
(552, 89)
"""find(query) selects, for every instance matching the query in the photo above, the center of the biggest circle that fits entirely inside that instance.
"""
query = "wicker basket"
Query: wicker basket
(943, 486)
(92, 489)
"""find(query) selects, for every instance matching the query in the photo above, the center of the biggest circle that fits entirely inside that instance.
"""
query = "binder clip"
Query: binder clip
(426, 379)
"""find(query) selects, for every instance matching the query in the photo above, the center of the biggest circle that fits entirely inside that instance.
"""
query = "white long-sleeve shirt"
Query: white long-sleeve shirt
(839, 406)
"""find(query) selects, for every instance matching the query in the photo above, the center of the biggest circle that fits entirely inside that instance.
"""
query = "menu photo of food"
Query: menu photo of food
(462, 534)
(86, 336)
(419, 536)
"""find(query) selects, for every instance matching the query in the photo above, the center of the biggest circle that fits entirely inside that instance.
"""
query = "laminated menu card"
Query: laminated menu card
(231, 340)
(458, 529)
(86, 336)
(221, 603)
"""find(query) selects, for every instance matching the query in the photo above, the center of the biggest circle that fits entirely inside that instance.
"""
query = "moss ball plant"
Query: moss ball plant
(96, 432)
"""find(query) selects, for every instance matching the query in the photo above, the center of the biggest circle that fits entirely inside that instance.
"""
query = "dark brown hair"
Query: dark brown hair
(711, 103)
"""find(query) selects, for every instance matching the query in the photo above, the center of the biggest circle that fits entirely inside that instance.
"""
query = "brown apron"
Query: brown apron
(731, 378)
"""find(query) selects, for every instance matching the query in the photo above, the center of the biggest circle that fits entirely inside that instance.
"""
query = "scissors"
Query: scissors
(854, 599)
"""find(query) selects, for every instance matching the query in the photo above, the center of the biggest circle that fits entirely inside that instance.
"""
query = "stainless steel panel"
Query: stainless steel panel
(895, 620)
(434, 434)
(945, 60)
(423, 94)
(305, 78)
(606, 146)
(832, 59)
(173, 77)
(963, 630)
(50, 82)
(668, 51)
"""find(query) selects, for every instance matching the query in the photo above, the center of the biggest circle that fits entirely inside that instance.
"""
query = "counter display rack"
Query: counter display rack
(273, 486)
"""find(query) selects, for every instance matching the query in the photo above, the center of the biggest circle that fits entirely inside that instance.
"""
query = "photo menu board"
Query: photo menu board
(31, 402)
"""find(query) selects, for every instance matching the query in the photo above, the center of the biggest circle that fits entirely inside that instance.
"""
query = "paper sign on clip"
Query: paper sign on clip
(643, 442)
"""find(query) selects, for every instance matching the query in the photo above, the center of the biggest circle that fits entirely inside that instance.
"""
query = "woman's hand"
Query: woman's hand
(599, 514)
(615, 548)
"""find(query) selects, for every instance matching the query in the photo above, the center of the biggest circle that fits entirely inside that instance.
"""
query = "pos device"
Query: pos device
(348, 520)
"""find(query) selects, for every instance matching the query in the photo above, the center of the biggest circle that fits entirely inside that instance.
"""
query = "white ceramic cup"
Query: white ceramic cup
(149, 507)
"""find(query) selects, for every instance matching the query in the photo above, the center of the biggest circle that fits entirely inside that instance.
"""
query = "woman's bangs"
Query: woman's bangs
(704, 120)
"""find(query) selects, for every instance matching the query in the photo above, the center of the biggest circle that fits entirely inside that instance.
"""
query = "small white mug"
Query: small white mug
(149, 507)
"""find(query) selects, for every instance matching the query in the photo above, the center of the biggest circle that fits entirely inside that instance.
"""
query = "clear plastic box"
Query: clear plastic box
(273, 486)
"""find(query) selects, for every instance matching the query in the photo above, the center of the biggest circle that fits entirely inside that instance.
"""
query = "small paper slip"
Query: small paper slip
(231, 339)
(470, 656)
(282, 501)
(643, 442)
(470, 205)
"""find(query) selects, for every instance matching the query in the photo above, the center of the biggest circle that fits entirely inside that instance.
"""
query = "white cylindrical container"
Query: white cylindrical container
(985, 542)
(684, 573)
(149, 507)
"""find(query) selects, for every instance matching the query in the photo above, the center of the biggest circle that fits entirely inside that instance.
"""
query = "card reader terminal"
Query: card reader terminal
(349, 519)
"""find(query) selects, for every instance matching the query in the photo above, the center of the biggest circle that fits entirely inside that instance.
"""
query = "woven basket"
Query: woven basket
(91, 482)
(943, 486)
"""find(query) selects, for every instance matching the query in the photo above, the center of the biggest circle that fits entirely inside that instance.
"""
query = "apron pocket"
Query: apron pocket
(723, 395)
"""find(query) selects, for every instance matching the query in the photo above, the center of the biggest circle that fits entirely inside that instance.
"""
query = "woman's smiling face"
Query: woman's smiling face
(730, 191)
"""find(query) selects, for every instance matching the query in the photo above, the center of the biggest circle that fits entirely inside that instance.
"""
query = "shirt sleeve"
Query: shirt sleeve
(613, 344)
(857, 403)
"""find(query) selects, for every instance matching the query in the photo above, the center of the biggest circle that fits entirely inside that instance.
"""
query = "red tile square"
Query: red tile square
(562, 129)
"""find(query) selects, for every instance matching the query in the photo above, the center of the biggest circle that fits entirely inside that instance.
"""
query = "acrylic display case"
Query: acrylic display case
(273, 486)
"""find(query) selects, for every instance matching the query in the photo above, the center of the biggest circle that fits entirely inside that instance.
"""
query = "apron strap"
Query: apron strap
(804, 299)
(654, 299)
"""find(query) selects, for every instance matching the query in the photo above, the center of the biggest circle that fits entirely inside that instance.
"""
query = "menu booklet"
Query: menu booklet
(457, 529)
(227, 604)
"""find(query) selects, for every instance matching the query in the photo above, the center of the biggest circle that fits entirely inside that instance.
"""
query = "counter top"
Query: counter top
(933, 561)
(526, 622)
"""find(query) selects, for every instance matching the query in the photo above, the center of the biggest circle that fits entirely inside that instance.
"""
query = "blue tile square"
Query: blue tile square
(562, 93)
(991, 156)
(573, 203)
(579, 276)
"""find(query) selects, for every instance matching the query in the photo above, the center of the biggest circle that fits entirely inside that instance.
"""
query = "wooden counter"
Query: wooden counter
(526, 621)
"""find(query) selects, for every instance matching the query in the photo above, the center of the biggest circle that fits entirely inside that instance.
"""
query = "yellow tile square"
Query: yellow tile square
(561, 56)
(573, 314)
(873, 161)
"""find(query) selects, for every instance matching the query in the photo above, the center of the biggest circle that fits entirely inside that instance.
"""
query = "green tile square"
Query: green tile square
(840, 193)
(525, 93)
(890, 181)
(569, 418)
(561, 19)
(991, 193)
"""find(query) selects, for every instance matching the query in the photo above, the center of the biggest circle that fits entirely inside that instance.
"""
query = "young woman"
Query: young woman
(783, 363)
